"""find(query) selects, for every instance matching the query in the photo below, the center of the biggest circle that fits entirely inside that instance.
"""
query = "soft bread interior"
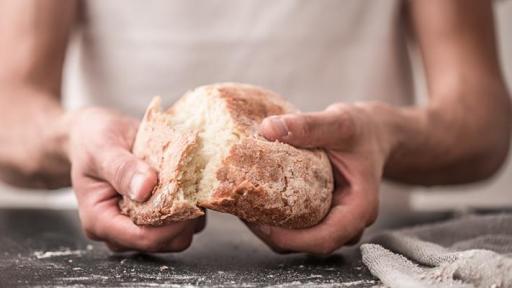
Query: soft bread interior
(207, 114)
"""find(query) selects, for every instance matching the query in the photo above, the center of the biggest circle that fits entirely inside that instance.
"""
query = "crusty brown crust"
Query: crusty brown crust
(165, 151)
(249, 105)
(273, 183)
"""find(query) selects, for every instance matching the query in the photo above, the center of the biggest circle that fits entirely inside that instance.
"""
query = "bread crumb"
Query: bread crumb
(163, 268)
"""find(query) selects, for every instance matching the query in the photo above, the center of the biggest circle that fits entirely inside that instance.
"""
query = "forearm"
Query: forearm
(33, 136)
(463, 134)
(457, 138)
(33, 40)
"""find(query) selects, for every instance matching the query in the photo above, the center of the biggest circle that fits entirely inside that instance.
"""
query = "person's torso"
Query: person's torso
(313, 53)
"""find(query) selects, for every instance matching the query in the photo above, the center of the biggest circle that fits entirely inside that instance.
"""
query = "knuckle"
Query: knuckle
(154, 248)
(305, 124)
(151, 243)
(345, 126)
(372, 214)
(145, 241)
(114, 248)
(326, 248)
(86, 160)
(89, 228)
(356, 239)
(89, 231)
(82, 162)
(120, 170)
(113, 165)
(278, 244)
(90, 235)
(279, 250)
(372, 218)
(182, 243)
(200, 225)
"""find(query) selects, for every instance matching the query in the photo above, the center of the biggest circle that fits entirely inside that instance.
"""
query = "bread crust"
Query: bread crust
(166, 151)
(259, 181)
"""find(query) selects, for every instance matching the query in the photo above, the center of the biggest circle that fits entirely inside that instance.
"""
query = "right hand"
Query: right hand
(103, 169)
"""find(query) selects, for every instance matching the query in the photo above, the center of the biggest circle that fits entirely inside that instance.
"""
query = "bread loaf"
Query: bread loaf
(209, 155)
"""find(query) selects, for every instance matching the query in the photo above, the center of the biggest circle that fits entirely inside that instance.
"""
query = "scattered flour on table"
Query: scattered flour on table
(323, 285)
(357, 283)
(84, 278)
(162, 268)
(49, 254)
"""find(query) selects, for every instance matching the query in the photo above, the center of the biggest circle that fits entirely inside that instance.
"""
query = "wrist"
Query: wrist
(384, 120)
(395, 126)
(66, 128)
(408, 133)
(55, 142)
(58, 136)
(45, 164)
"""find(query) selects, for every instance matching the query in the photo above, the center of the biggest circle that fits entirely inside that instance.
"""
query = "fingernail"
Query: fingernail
(279, 127)
(136, 187)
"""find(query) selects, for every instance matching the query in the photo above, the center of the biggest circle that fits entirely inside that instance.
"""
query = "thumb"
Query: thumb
(128, 175)
(327, 129)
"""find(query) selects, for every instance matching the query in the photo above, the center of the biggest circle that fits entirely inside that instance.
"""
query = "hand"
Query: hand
(357, 146)
(102, 169)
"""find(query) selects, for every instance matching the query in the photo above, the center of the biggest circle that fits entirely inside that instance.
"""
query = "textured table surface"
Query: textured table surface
(46, 248)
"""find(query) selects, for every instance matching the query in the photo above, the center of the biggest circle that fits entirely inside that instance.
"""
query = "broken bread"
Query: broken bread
(208, 154)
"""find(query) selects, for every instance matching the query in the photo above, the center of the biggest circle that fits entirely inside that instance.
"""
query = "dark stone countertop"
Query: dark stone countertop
(46, 248)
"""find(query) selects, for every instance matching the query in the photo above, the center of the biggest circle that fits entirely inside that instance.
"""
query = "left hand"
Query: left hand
(357, 145)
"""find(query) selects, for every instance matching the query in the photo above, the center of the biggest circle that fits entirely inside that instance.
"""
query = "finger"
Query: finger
(263, 236)
(128, 175)
(355, 240)
(120, 230)
(344, 222)
(180, 243)
(327, 129)
(116, 248)
(201, 224)
(322, 239)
